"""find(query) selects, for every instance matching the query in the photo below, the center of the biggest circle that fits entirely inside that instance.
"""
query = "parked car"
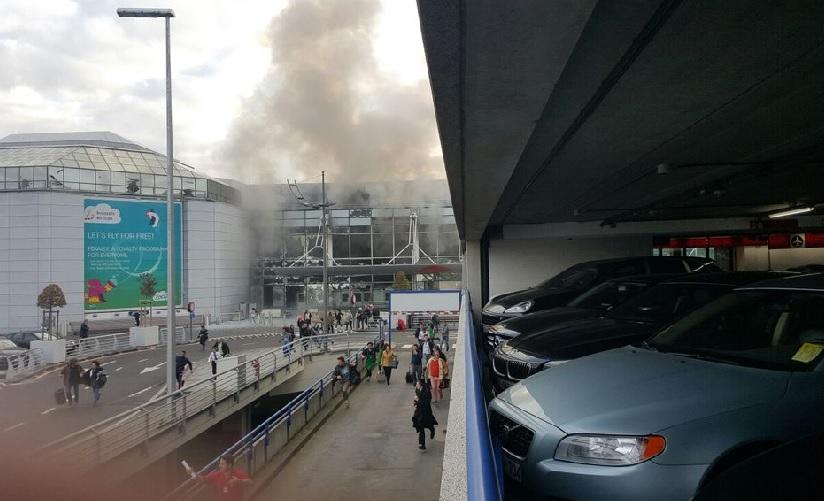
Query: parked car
(572, 282)
(659, 419)
(592, 303)
(631, 322)
(8, 349)
(24, 339)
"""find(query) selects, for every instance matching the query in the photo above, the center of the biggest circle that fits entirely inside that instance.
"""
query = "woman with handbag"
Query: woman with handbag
(388, 361)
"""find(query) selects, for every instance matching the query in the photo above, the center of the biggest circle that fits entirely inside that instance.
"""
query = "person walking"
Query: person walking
(214, 356)
(338, 318)
(388, 361)
(426, 348)
(416, 366)
(285, 340)
(181, 361)
(434, 368)
(343, 374)
(228, 481)
(137, 319)
(84, 329)
(97, 378)
(71, 375)
(203, 336)
(223, 347)
(423, 418)
(370, 358)
(445, 338)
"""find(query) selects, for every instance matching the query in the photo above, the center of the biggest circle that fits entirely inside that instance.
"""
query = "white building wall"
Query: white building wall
(523, 262)
(41, 242)
(218, 253)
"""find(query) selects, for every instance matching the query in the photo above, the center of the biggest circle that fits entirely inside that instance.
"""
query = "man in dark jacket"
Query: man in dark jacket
(423, 419)
(71, 376)
(181, 361)
(84, 329)
(97, 378)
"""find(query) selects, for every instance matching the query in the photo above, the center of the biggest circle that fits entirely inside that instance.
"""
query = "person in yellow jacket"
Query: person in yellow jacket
(388, 361)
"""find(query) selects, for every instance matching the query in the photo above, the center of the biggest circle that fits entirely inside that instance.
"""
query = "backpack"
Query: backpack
(354, 376)
(101, 379)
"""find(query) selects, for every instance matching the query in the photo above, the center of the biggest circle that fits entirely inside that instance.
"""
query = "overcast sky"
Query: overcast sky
(74, 66)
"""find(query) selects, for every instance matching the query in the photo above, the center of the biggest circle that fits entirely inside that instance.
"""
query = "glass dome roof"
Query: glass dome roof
(99, 162)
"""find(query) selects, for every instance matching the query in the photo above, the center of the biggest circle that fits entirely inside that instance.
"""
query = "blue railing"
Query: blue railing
(483, 480)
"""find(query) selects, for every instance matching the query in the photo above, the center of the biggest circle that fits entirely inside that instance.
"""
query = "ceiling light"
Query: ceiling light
(791, 212)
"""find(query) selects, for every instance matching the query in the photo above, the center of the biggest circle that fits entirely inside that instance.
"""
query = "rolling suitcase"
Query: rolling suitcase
(60, 396)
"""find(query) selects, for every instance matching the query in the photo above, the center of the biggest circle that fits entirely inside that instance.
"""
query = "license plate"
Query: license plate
(512, 469)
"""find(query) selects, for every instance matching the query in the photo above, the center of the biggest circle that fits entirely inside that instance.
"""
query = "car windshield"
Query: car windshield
(781, 330)
(608, 295)
(665, 303)
(576, 277)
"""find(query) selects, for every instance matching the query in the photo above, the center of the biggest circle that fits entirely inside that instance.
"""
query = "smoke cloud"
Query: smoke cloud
(326, 105)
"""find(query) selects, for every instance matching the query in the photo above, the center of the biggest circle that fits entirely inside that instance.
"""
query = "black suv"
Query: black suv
(575, 280)
(632, 322)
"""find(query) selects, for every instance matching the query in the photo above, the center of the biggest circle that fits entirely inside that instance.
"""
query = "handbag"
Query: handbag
(444, 383)
(408, 377)
(394, 362)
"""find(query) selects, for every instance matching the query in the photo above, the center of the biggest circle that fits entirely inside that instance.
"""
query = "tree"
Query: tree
(401, 282)
(51, 297)
(148, 289)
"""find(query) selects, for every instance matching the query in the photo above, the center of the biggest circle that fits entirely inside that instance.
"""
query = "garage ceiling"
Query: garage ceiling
(561, 111)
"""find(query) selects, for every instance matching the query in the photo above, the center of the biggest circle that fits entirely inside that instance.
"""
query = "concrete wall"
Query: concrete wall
(519, 263)
(41, 242)
(218, 253)
(761, 258)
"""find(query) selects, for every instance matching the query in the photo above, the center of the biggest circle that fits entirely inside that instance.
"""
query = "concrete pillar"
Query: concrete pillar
(473, 275)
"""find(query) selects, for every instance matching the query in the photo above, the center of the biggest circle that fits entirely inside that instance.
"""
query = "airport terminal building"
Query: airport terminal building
(54, 187)
(87, 211)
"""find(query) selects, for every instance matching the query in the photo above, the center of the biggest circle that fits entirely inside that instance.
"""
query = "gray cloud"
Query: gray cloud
(326, 105)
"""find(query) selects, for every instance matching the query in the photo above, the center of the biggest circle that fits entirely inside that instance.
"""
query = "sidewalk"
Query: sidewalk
(369, 451)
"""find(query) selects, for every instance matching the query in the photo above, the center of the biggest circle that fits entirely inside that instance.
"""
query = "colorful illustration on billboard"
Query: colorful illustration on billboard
(123, 241)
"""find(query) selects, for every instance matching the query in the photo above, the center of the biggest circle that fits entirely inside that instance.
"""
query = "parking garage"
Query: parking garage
(603, 132)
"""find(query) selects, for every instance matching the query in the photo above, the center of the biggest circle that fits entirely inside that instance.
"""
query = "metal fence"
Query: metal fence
(107, 439)
(21, 364)
(98, 345)
(257, 448)
(181, 335)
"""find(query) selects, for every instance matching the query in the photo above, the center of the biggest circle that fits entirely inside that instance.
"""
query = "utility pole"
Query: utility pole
(324, 222)
(324, 206)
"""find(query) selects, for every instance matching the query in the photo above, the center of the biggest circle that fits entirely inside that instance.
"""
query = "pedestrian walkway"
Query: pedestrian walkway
(368, 451)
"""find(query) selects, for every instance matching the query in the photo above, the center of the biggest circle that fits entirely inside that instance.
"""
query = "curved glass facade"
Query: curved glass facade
(102, 170)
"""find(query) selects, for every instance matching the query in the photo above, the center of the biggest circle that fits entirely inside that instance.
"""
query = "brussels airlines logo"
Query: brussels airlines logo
(101, 214)
(154, 219)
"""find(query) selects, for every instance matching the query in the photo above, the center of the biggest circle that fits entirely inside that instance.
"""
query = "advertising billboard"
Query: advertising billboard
(125, 240)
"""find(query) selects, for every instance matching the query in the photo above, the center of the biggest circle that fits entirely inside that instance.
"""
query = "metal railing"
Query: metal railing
(181, 335)
(107, 439)
(98, 345)
(21, 364)
(262, 444)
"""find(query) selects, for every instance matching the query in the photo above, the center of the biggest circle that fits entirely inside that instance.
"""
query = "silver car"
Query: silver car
(657, 420)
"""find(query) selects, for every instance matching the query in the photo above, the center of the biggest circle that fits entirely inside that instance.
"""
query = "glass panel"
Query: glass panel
(200, 185)
(103, 180)
(26, 178)
(132, 184)
(87, 176)
(118, 180)
(71, 175)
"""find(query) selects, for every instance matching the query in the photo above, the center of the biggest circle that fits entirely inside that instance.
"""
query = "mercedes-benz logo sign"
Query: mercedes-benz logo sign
(796, 241)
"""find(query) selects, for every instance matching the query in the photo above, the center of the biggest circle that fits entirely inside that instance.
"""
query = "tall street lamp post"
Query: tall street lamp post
(167, 14)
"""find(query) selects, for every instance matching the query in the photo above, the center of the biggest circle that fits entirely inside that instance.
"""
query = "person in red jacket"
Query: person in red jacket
(228, 481)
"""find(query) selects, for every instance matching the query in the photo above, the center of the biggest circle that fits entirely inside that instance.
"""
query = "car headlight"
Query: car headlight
(609, 450)
(494, 309)
(521, 307)
(554, 363)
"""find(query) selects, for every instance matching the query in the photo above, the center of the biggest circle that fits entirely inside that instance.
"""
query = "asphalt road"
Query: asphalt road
(30, 418)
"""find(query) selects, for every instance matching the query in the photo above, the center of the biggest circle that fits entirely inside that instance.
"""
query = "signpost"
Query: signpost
(191, 308)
